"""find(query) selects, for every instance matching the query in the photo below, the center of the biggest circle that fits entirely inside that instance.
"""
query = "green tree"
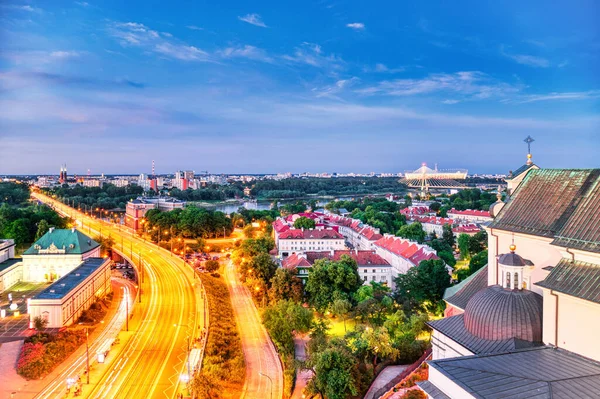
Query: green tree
(42, 229)
(413, 231)
(263, 266)
(477, 243)
(463, 245)
(478, 261)
(286, 285)
(435, 206)
(106, 244)
(448, 235)
(333, 368)
(39, 323)
(423, 286)
(340, 308)
(211, 265)
(330, 280)
(19, 231)
(304, 223)
(283, 319)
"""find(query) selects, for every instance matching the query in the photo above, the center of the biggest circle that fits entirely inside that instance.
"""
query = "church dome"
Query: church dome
(512, 259)
(495, 313)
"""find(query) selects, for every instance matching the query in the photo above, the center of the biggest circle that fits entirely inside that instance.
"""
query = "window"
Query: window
(374, 271)
(507, 280)
(372, 278)
(364, 278)
(516, 282)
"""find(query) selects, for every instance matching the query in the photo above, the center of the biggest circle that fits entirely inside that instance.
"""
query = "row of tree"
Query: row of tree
(189, 222)
(106, 197)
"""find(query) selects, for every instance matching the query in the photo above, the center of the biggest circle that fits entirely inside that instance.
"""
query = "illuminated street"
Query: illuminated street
(264, 376)
(153, 362)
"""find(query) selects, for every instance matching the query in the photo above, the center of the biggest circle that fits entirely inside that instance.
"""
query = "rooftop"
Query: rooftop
(62, 241)
(65, 284)
(556, 203)
(459, 294)
(310, 234)
(578, 279)
(8, 263)
(407, 249)
(535, 373)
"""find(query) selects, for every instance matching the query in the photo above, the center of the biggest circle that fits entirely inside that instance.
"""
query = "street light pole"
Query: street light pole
(271, 384)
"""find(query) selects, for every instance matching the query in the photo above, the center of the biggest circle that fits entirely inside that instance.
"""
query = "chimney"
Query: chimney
(50, 230)
(73, 229)
(332, 252)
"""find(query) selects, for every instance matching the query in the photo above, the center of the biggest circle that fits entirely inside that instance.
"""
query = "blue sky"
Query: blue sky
(328, 85)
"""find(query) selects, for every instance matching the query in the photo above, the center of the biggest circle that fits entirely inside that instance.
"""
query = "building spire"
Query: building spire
(529, 140)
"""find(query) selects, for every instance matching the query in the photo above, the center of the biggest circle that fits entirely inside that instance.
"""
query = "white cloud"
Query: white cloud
(83, 3)
(581, 95)
(332, 90)
(312, 54)
(139, 35)
(65, 54)
(472, 84)
(450, 102)
(194, 27)
(253, 19)
(382, 68)
(526, 59)
(250, 52)
(26, 7)
(356, 26)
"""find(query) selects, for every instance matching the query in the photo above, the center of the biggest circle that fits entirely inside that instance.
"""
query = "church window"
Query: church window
(516, 282)
(507, 279)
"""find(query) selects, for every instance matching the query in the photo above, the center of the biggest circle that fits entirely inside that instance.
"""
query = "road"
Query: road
(264, 375)
(168, 318)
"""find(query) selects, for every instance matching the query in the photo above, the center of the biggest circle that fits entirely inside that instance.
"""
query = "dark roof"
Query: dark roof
(578, 279)
(454, 328)
(582, 230)
(460, 294)
(522, 169)
(69, 281)
(432, 390)
(496, 313)
(546, 199)
(512, 259)
(8, 263)
(70, 240)
(541, 373)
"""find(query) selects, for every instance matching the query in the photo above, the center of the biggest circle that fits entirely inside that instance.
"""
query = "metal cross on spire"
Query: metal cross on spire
(529, 140)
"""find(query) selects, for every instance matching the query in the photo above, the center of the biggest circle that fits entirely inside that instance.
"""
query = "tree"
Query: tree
(330, 280)
(435, 206)
(340, 308)
(408, 200)
(304, 223)
(477, 243)
(39, 323)
(448, 235)
(249, 231)
(285, 285)
(333, 368)
(263, 266)
(211, 265)
(423, 286)
(283, 319)
(413, 232)
(463, 245)
(379, 344)
(106, 244)
(19, 231)
(42, 229)
(478, 261)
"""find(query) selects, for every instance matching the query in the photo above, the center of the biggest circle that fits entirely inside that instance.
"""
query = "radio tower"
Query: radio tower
(153, 175)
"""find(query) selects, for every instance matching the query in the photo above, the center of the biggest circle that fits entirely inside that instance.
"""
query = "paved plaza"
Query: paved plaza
(11, 326)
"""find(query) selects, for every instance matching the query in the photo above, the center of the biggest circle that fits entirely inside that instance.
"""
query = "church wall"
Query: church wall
(578, 324)
(447, 386)
(443, 347)
(536, 249)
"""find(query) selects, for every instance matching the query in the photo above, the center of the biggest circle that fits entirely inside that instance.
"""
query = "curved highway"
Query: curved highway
(153, 363)
(264, 375)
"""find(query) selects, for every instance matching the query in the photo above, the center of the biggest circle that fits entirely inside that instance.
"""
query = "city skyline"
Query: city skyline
(325, 86)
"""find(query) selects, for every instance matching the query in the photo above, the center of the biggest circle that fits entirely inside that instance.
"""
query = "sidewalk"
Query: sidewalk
(11, 382)
(386, 375)
(303, 376)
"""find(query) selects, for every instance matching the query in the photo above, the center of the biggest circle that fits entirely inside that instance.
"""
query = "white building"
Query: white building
(359, 235)
(469, 216)
(7, 249)
(533, 325)
(136, 209)
(301, 240)
(56, 253)
(62, 303)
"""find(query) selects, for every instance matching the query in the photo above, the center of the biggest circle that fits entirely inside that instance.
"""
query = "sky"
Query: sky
(309, 86)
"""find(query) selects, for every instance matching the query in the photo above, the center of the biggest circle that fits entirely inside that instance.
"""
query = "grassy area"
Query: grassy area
(337, 327)
(223, 369)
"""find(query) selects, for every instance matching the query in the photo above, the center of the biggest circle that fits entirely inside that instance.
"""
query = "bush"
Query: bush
(223, 370)
(41, 353)
(414, 394)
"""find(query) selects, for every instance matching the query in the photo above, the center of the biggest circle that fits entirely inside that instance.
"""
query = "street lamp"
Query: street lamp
(271, 384)
(126, 292)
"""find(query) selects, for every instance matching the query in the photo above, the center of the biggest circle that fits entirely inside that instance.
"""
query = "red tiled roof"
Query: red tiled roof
(309, 234)
(293, 261)
(466, 228)
(415, 210)
(407, 249)
(362, 258)
(431, 220)
(469, 212)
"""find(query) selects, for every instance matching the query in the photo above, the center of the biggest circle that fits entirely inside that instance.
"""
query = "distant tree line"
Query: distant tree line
(106, 197)
(298, 187)
(189, 222)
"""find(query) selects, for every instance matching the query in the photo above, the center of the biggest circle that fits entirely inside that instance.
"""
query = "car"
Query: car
(215, 258)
